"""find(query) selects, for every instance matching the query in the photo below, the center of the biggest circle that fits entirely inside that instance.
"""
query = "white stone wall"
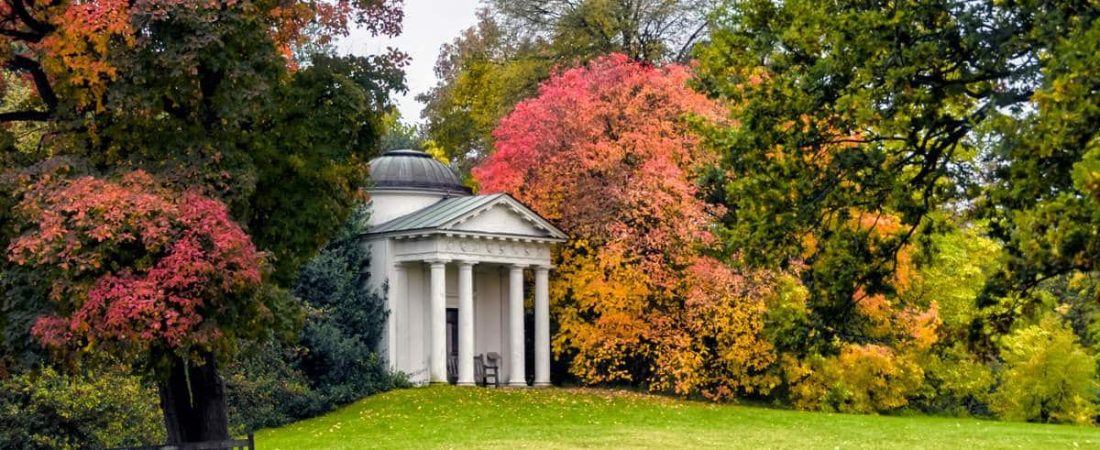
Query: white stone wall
(489, 313)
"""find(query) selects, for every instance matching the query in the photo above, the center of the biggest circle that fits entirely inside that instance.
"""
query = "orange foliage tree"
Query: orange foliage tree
(606, 152)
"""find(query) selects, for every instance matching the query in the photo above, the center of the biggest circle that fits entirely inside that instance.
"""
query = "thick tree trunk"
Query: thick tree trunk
(193, 400)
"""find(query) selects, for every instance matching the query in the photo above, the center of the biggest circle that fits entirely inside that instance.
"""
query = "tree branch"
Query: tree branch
(25, 36)
(24, 116)
(38, 26)
(41, 80)
(41, 84)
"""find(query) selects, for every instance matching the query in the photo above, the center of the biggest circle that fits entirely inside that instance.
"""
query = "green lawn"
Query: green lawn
(451, 417)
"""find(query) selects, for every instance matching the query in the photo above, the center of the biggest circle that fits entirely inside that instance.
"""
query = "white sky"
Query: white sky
(428, 25)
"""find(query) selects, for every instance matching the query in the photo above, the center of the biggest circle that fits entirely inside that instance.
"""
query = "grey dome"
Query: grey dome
(415, 170)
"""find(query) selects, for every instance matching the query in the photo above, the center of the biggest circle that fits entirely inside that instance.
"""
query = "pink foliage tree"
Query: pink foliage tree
(607, 152)
(163, 279)
(134, 266)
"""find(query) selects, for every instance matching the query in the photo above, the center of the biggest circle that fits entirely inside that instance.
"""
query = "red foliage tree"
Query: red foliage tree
(145, 274)
(607, 152)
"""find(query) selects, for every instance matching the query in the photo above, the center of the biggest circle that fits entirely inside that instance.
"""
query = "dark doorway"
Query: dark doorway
(452, 345)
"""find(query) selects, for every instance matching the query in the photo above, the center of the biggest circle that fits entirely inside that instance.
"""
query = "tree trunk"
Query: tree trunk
(193, 400)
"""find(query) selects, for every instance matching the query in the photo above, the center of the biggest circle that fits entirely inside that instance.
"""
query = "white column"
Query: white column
(466, 323)
(542, 326)
(398, 301)
(438, 318)
(517, 375)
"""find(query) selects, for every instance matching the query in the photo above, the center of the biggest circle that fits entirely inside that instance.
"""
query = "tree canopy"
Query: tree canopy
(855, 123)
(516, 45)
(605, 151)
(218, 100)
(139, 271)
(892, 205)
(208, 94)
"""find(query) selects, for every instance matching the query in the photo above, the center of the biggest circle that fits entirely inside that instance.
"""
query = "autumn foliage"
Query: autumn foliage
(71, 41)
(606, 152)
(241, 112)
(135, 267)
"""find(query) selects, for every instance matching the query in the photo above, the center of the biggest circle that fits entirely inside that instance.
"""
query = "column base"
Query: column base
(518, 384)
(437, 382)
(543, 384)
(465, 383)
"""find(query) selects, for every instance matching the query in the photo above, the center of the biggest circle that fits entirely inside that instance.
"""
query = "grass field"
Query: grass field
(452, 417)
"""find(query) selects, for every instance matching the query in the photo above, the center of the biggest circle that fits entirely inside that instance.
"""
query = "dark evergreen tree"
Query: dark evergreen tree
(345, 320)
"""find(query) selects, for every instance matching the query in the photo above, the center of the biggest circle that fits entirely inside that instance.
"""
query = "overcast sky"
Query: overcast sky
(428, 25)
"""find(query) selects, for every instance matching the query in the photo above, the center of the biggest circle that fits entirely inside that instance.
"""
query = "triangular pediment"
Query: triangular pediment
(504, 216)
(484, 215)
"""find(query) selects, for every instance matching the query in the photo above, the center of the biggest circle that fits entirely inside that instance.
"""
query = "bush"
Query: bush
(861, 379)
(339, 366)
(265, 389)
(961, 383)
(344, 320)
(44, 409)
(1048, 376)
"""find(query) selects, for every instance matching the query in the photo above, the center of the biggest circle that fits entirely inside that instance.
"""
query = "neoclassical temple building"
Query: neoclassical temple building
(454, 265)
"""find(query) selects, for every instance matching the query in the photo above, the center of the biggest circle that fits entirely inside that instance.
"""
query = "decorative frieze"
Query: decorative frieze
(478, 249)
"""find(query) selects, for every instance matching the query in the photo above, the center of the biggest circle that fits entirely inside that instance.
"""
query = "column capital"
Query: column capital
(518, 265)
(544, 267)
(435, 261)
(466, 262)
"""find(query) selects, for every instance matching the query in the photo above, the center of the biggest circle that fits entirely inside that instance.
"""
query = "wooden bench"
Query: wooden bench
(229, 444)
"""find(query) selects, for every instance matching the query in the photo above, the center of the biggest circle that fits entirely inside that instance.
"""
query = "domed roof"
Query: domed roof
(414, 170)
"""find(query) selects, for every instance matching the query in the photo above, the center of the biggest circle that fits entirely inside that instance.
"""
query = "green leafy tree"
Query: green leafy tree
(1044, 160)
(400, 134)
(953, 269)
(951, 275)
(311, 167)
(482, 74)
(1048, 376)
(855, 122)
(645, 30)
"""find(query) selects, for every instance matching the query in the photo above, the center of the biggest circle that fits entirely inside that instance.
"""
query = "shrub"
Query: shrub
(264, 388)
(44, 409)
(1048, 376)
(861, 379)
(960, 383)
